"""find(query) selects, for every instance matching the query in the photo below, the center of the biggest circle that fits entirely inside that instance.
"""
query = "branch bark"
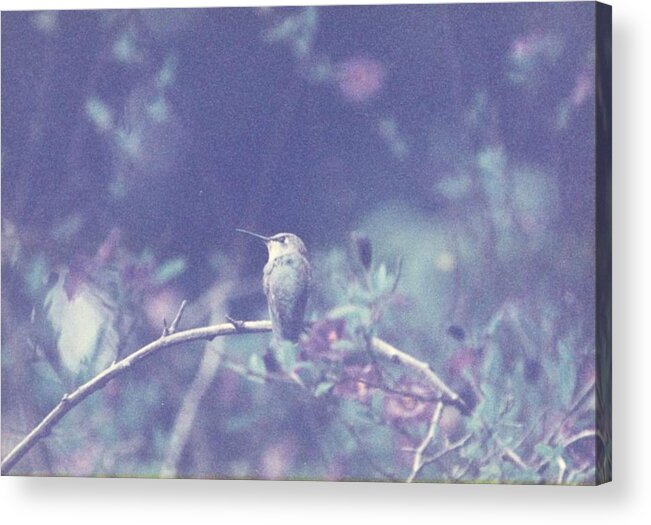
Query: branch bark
(427, 440)
(399, 357)
(210, 363)
(69, 401)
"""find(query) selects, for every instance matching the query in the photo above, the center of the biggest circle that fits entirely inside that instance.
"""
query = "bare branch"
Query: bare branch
(398, 274)
(390, 390)
(235, 322)
(583, 396)
(449, 448)
(68, 401)
(169, 330)
(562, 466)
(399, 357)
(177, 319)
(427, 440)
(591, 432)
(210, 362)
(514, 457)
(362, 448)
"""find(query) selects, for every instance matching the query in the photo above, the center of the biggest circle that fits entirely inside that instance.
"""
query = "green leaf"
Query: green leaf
(343, 344)
(36, 274)
(474, 451)
(170, 269)
(125, 49)
(323, 388)
(381, 279)
(545, 451)
(99, 113)
(286, 355)
(167, 73)
(46, 374)
(354, 315)
(567, 373)
(158, 110)
(377, 402)
(256, 365)
(489, 408)
(490, 473)
(240, 422)
(306, 371)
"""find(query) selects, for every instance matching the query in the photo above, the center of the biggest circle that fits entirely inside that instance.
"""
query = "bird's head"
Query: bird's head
(281, 243)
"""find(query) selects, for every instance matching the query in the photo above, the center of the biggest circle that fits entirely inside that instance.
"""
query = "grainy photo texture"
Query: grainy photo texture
(361, 243)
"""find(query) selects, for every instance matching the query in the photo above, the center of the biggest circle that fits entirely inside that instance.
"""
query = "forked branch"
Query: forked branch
(171, 337)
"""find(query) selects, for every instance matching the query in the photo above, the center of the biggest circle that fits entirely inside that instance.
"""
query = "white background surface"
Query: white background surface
(626, 500)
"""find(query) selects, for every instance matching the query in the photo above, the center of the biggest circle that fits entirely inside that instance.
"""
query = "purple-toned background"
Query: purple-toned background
(460, 138)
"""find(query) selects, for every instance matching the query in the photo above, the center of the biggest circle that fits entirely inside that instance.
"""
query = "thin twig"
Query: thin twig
(427, 440)
(515, 458)
(207, 370)
(235, 322)
(390, 390)
(171, 338)
(185, 417)
(553, 436)
(591, 432)
(398, 274)
(68, 401)
(459, 474)
(177, 319)
(574, 407)
(169, 330)
(362, 448)
(449, 448)
(562, 466)
(399, 357)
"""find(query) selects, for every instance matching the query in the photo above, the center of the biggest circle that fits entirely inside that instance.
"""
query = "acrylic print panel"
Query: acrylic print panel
(422, 289)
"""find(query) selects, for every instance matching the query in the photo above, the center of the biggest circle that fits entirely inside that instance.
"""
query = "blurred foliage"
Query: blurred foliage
(455, 142)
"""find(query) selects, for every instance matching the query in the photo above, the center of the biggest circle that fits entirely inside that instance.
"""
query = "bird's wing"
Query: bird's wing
(288, 288)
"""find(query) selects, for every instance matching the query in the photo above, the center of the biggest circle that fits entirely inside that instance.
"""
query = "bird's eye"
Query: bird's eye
(283, 239)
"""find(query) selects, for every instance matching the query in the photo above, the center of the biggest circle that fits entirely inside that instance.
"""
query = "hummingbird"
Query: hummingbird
(286, 282)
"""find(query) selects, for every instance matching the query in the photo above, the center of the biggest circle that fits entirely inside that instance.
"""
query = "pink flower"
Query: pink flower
(408, 406)
(161, 304)
(582, 89)
(277, 459)
(360, 79)
(359, 384)
(522, 47)
(465, 359)
(323, 335)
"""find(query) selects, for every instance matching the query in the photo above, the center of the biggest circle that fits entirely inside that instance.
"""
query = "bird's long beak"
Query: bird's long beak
(265, 239)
